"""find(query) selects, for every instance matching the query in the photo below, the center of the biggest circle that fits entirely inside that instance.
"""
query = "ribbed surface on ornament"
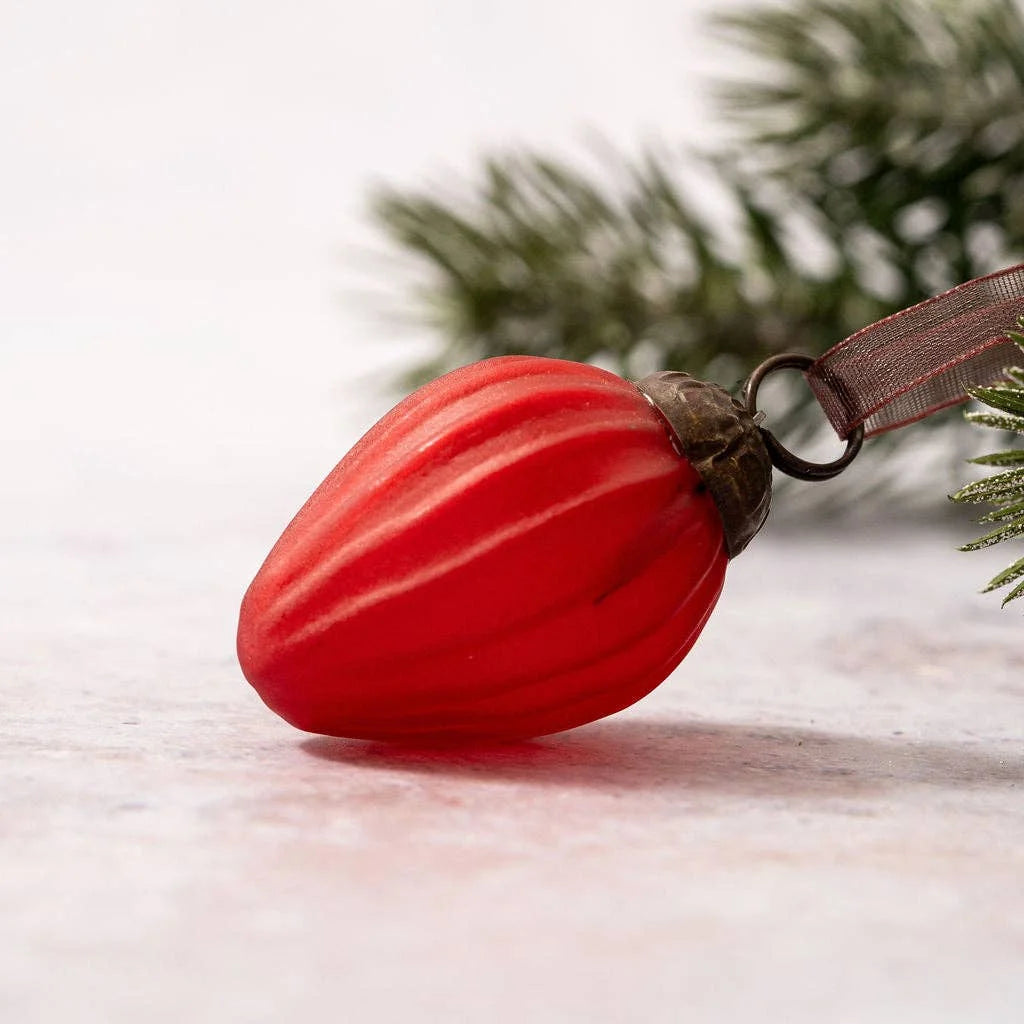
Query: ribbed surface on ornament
(514, 549)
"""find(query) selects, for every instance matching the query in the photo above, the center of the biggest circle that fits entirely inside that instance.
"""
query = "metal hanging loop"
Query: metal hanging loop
(782, 458)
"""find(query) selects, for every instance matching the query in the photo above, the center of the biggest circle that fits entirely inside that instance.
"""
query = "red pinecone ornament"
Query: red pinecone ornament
(517, 548)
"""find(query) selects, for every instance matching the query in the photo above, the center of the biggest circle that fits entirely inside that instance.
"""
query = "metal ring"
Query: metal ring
(782, 458)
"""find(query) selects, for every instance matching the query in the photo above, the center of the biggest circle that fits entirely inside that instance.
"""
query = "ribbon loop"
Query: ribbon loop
(922, 359)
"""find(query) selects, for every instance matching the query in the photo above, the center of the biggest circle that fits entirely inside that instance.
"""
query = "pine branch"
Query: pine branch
(876, 157)
(1005, 489)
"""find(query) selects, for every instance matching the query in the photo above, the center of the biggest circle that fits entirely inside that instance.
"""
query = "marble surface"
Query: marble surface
(820, 816)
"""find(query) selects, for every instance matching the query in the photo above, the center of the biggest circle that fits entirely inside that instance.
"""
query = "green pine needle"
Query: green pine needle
(993, 489)
(1005, 490)
(1013, 594)
(1006, 532)
(1001, 514)
(1013, 457)
(1005, 398)
(1011, 424)
(1008, 575)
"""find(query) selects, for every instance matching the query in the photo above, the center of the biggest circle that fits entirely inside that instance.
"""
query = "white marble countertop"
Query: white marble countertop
(820, 816)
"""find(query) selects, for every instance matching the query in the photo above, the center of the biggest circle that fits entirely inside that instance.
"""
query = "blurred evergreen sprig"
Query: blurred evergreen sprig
(873, 154)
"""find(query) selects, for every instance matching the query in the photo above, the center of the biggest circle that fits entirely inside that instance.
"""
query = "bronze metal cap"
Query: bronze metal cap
(720, 440)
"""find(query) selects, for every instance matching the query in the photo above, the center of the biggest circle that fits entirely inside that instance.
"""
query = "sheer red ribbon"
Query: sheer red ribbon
(921, 359)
